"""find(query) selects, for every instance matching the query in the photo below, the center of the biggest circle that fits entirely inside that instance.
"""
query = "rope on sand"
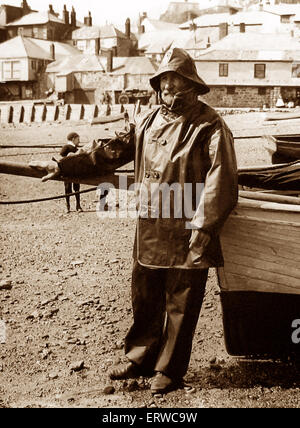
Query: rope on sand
(51, 198)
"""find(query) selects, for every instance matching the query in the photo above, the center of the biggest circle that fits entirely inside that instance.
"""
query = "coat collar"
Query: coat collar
(182, 102)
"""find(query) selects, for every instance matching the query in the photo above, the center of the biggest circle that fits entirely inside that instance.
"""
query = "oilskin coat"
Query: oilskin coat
(188, 144)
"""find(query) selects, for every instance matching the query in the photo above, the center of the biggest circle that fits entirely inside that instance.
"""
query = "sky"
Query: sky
(103, 11)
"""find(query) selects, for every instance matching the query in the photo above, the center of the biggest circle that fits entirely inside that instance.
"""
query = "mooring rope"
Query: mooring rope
(26, 154)
(51, 198)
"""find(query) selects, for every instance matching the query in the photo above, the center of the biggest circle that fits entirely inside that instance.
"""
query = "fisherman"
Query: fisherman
(182, 142)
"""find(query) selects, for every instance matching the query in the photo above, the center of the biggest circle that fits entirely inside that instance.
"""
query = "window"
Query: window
(11, 70)
(262, 91)
(296, 70)
(230, 90)
(81, 45)
(20, 31)
(259, 71)
(223, 70)
(285, 19)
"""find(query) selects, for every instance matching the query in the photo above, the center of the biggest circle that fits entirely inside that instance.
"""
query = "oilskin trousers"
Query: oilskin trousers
(166, 306)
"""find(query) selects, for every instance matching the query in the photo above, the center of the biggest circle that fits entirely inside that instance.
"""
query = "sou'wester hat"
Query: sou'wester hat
(180, 62)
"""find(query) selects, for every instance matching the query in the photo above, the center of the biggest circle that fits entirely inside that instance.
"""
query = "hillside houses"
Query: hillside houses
(249, 58)
(216, 26)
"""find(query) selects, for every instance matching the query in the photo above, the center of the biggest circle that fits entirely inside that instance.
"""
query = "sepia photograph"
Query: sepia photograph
(150, 207)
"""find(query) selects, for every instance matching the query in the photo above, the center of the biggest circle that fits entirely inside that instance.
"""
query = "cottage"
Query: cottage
(85, 79)
(23, 61)
(251, 70)
(10, 13)
(44, 25)
(91, 39)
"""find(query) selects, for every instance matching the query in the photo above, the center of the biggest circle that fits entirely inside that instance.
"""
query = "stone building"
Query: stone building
(251, 70)
(84, 79)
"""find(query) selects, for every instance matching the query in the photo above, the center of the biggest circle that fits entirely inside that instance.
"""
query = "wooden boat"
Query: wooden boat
(285, 115)
(260, 280)
(282, 148)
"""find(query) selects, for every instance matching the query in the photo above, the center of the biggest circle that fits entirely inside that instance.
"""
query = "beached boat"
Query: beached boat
(260, 280)
(282, 148)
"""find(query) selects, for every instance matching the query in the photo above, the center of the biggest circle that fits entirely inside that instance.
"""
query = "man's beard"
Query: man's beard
(168, 97)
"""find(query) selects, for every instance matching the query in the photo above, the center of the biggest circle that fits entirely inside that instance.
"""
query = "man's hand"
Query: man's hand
(51, 167)
(198, 243)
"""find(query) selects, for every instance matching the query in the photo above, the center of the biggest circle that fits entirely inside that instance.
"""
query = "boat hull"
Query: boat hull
(260, 280)
(258, 324)
(283, 148)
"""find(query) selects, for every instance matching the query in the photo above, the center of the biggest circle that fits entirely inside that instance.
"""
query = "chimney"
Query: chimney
(52, 51)
(109, 64)
(242, 27)
(25, 7)
(88, 20)
(65, 15)
(193, 26)
(208, 43)
(51, 9)
(97, 46)
(141, 29)
(73, 17)
(223, 30)
(127, 28)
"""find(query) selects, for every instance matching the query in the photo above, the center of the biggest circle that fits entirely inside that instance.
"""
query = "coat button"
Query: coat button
(163, 142)
(147, 175)
(156, 175)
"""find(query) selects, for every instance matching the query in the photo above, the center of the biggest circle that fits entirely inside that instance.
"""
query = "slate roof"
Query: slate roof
(86, 63)
(157, 42)
(159, 25)
(283, 9)
(134, 65)
(248, 18)
(94, 32)
(254, 47)
(207, 20)
(27, 47)
(36, 18)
